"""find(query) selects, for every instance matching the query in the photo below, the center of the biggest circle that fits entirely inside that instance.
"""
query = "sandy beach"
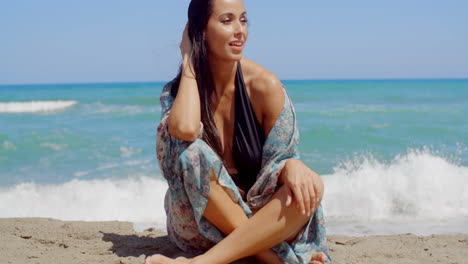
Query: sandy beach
(45, 240)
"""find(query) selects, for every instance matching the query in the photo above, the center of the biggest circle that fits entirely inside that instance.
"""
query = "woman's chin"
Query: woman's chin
(236, 57)
(230, 57)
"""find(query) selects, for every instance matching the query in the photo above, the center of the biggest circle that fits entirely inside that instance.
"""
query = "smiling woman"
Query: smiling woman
(222, 32)
(232, 163)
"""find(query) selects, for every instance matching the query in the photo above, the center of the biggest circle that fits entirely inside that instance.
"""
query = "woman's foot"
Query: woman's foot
(160, 259)
(318, 258)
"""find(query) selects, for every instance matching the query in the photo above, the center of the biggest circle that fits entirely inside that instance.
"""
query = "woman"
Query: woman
(236, 185)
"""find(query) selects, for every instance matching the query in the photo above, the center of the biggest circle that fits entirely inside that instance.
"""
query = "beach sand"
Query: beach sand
(44, 240)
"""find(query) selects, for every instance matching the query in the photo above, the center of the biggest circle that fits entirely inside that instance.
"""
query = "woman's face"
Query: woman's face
(226, 31)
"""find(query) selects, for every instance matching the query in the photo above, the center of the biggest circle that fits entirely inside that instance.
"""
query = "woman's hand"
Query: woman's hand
(304, 184)
(186, 52)
(185, 44)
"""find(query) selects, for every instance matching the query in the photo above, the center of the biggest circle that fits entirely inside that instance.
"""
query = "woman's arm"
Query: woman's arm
(305, 185)
(184, 118)
(227, 215)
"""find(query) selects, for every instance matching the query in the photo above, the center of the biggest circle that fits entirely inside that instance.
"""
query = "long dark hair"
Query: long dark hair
(199, 13)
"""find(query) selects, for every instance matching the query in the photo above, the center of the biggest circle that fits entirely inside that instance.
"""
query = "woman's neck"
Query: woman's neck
(224, 74)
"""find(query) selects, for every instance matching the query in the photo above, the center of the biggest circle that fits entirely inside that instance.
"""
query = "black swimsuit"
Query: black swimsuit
(248, 139)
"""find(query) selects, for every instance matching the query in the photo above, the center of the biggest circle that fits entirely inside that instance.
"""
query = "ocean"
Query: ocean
(393, 154)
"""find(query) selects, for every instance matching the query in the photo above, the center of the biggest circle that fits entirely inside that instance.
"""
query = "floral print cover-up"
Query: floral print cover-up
(186, 167)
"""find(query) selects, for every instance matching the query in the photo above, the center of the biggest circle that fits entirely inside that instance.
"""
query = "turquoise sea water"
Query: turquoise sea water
(387, 149)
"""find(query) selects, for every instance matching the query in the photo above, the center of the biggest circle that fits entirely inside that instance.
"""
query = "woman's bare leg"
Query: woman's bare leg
(317, 258)
(271, 225)
(227, 215)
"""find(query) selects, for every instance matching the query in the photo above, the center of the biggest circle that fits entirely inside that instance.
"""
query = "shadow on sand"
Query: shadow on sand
(135, 246)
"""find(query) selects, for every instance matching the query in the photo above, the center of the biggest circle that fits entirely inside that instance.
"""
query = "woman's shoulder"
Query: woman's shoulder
(260, 80)
(267, 90)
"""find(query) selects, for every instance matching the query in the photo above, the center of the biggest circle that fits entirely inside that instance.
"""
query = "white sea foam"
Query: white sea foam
(419, 192)
(35, 106)
(81, 173)
(7, 145)
(107, 166)
(54, 146)
(136, 162)
(137, 200)
(418, 188)
(127, 152)
(102, 108)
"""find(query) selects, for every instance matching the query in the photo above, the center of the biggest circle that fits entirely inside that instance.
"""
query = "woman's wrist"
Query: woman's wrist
(186, 61)
(288, 163)
(187, 68)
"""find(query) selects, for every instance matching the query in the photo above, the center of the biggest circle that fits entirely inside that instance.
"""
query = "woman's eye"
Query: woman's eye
(244, 20)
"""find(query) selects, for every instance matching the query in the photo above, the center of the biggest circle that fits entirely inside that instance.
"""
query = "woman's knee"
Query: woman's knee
(283, 194)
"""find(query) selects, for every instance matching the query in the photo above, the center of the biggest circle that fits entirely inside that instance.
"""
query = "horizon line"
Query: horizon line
(317, 79)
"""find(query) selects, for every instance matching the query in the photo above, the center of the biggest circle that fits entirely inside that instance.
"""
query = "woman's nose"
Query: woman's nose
(239, 28)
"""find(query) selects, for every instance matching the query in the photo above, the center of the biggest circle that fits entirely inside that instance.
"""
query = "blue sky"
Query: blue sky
(52, 41)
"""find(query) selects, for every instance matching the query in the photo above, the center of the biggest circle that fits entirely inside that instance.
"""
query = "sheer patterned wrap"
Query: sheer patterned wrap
(186, 166)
